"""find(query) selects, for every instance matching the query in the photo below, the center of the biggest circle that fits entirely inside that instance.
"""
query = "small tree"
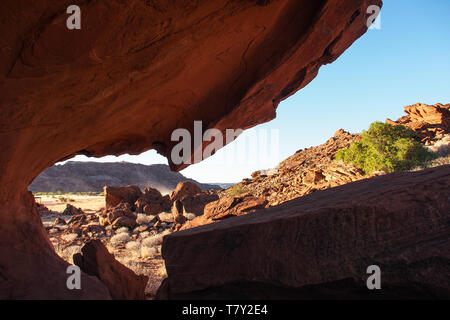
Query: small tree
(386, 147)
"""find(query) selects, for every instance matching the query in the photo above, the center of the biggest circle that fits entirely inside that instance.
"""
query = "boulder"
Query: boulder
(233, 206)
(196, 203)
(70, 210)
(119, 216)
(177, 213)
(323, 243)
(184, 189)
(116, 195)
(152, 202)
(124, 221)
(122, 283)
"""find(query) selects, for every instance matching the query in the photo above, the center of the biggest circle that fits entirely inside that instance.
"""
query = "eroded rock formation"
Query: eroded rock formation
(430, 122)
(320, 245)
(136, 71)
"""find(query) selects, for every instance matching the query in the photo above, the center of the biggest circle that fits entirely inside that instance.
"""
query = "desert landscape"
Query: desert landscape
(131, 224)
(114, 111)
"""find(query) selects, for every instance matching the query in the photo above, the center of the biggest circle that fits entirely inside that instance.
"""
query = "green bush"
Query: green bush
(385, 147)
(236, 190)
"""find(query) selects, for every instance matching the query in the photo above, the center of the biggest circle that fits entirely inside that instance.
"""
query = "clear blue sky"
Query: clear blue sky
(405, 62)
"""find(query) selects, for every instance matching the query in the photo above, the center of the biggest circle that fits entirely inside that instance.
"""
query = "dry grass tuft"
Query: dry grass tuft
(119, 239)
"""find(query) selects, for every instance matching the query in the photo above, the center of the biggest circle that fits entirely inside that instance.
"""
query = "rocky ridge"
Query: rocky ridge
(76, 176)
(430, 122)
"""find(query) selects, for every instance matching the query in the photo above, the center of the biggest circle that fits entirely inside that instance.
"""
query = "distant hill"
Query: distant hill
(225, 185)
(92, 176)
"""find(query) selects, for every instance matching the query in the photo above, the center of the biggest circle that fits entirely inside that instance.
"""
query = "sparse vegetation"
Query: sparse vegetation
(142, 218)
(119, 239)
(65, 199)
(434, 163)
(236, 190)
(67, 253)
(190, 216)
(385, 147)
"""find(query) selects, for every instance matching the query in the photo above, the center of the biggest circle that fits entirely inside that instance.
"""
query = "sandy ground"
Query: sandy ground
(86, 203)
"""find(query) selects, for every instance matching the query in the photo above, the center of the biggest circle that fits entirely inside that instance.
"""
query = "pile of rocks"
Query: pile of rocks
(123, 204)
(304, 172)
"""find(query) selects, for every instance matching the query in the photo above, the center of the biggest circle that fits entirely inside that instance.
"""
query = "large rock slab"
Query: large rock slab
(322, 244)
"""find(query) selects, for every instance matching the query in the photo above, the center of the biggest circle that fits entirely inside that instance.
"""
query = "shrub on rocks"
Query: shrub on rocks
(385, 147)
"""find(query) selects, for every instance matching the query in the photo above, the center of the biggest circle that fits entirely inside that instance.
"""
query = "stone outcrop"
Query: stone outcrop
(431, 122)
(122, 283)
(133, 74)
(320, 245)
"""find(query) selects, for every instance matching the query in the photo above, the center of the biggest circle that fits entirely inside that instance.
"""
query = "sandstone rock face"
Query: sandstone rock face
(227, 207)
(322, 244)
(430, 122)
(122, 283)
(133, 73)
(115, 195)
(233, 206)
